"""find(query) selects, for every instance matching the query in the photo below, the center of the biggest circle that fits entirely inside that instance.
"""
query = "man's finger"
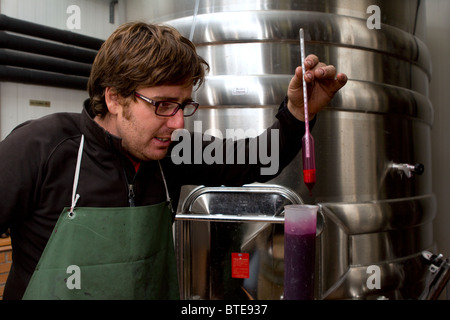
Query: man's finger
(311, 61)
(341, 80)
(326, 72)
(296, 80)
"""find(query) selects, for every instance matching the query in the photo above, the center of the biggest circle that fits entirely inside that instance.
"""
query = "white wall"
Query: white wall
(14, 97)
(53, 13)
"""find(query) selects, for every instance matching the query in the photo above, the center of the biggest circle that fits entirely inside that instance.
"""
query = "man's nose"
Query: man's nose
(176, 121)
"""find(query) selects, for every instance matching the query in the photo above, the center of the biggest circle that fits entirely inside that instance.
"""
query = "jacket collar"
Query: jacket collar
(90, 128)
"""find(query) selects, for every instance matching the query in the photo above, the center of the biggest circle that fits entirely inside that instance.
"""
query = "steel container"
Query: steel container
(376, 208)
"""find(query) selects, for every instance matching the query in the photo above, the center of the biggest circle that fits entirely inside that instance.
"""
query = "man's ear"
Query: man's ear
(112, 100)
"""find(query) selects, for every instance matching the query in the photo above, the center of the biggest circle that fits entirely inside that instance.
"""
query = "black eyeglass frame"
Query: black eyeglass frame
(179, 105)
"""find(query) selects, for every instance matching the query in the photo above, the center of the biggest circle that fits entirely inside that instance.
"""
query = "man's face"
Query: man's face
(145, 135)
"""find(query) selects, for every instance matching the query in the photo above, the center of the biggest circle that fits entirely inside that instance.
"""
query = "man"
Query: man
(94, 189)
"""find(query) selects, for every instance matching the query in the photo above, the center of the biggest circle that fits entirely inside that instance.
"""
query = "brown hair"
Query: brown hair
(138, 54)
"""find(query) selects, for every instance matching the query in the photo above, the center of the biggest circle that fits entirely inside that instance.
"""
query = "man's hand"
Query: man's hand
(322, 83)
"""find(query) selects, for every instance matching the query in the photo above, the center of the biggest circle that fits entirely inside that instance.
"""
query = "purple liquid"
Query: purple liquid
(299, 256)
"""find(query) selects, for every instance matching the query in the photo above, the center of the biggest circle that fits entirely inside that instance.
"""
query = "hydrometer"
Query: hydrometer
(309, 162)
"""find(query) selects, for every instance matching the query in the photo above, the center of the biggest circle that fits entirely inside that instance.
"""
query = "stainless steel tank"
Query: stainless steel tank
(376, 209)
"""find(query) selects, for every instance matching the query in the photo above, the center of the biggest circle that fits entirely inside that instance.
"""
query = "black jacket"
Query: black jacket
(37, 165)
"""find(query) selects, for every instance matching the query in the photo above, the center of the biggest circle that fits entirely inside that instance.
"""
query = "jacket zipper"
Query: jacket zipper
(131, 195)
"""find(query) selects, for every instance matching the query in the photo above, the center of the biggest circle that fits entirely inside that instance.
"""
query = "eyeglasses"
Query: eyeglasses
(170, 108)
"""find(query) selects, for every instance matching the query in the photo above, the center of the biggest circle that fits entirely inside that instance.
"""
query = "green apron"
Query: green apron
(108, 253)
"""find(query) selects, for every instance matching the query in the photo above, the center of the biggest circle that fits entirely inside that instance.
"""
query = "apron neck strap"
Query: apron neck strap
(76, 196)
(165, 183)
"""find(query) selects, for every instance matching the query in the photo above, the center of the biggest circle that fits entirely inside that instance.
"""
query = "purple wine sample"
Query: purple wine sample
(299, 266)
(300, 224)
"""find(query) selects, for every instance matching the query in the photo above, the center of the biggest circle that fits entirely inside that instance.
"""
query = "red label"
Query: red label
(240, 265)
